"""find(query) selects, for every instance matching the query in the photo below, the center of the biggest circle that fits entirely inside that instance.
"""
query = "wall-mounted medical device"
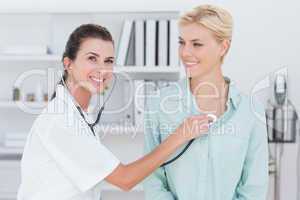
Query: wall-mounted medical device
(281, 114)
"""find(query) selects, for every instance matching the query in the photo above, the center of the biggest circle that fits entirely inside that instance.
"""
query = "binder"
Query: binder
(163, 43)
(150, 42)
(139, 61)
(173, 46)
(124, 43)
(139, 43)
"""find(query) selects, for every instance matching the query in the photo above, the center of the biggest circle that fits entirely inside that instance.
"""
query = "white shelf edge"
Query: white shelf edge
(15, 104)
(149, 72)
(146, 68)
(10, 151)
(53, 58)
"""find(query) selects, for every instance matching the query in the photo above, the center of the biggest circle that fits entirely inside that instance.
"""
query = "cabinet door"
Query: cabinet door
(10, 178)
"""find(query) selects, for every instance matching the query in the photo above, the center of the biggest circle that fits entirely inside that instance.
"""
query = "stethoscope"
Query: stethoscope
(214, 118)
(92, 125)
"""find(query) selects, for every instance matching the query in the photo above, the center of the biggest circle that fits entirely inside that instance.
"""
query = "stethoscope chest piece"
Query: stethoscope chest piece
(213, 117)
(213, 120)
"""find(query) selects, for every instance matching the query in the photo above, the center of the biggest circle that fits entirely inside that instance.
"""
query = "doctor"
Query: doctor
(62, 159)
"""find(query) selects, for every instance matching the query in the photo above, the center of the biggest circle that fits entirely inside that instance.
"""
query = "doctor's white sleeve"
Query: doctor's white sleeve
(156, 185)
(80, 157)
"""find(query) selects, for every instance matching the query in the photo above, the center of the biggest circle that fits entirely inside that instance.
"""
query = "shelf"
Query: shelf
(166, 73)
(35, 58)
(11, 154)
(10, 151)
(134, 72)
(19, 104)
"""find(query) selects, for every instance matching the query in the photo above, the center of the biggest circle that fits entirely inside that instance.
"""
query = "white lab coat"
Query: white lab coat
(62, 159)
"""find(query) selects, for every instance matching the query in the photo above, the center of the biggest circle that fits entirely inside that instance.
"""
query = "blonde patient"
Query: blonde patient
(230, 162)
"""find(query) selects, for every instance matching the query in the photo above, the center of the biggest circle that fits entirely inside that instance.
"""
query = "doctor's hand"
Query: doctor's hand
(127, 176)
(193, 127)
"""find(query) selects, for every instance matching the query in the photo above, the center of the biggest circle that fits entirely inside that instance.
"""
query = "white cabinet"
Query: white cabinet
(9, 179)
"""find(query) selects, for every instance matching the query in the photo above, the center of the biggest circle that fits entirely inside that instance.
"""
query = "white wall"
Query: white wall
(266, 37)
(266, 34)
(90, 5)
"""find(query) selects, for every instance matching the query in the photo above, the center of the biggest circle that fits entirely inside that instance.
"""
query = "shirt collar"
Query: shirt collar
(234, 95)
(63, 94)
(65, 104)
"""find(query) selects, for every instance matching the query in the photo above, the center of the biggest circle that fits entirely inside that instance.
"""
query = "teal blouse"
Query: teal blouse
(228, 163)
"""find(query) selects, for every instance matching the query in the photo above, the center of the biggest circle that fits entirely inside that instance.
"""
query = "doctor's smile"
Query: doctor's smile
(92, 68)
(64, 157)
(201, 138)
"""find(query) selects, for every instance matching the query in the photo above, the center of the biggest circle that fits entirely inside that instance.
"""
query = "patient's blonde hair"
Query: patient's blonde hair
(218, 20)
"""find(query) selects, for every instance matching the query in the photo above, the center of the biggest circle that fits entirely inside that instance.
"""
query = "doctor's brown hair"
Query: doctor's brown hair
(75, 40)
